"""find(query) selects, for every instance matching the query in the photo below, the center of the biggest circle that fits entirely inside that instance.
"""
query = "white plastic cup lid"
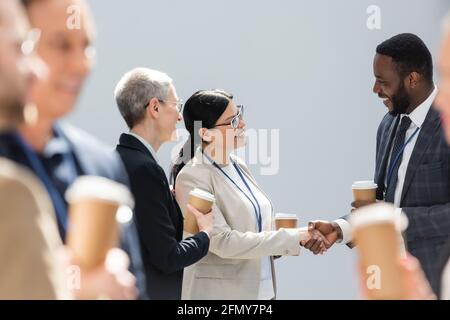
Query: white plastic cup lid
(290, 216)
(202, 194)
(93, 187)
(366, 184)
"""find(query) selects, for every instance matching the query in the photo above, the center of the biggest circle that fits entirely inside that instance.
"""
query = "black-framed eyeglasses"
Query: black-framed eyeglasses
(236, 119)
(179, 104)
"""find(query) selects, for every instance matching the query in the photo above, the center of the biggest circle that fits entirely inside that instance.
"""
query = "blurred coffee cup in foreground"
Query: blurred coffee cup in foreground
(376, 233)
(93, 229)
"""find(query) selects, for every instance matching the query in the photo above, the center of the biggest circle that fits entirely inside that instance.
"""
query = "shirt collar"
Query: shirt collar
(420, 113)
(57, 145)
(146, 144)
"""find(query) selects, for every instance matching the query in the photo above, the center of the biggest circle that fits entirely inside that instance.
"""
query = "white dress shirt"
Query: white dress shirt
(266, 289)
(417, 118)
(146, 144)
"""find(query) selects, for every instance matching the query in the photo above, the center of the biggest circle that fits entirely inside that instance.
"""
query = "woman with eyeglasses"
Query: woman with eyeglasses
(239, 264)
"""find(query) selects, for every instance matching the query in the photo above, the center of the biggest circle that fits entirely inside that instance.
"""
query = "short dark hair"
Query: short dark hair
(409, 53)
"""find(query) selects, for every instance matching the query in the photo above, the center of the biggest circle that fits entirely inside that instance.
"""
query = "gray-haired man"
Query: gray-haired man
(149, 104)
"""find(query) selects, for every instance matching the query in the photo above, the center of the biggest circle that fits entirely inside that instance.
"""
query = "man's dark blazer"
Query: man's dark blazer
(425, 196)
(159, 222)
(92, 158)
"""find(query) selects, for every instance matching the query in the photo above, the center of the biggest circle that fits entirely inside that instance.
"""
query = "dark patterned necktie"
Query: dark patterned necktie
(396, 149)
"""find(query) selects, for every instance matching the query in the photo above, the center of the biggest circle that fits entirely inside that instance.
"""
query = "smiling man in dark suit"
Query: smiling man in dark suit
(412, 157)
(149, 104)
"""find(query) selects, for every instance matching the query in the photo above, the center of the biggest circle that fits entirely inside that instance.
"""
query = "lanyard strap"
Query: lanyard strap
(397, 158)
(257, 211)
(68, 158)
(38, 168)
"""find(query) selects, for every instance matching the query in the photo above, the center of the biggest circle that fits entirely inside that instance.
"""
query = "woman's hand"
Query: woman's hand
(314, 241)
(205, 222)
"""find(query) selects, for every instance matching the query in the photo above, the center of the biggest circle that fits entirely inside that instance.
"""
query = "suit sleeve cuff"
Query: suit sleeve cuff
(207, 233)
(346, 230)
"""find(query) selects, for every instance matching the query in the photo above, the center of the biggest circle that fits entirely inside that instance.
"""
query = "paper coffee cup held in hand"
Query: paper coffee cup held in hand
(377, 235)
(365, 191)
(203, 202)
(286, 220)
(92, 227)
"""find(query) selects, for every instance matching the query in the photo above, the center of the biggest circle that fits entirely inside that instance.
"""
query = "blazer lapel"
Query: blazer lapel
(429, 127)
(87, 166)
(388, 137)
(130, 142)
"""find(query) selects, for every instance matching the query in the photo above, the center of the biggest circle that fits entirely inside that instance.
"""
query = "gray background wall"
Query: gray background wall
(304, 67)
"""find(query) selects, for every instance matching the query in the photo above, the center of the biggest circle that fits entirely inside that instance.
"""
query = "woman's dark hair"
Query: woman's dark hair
(201, 110)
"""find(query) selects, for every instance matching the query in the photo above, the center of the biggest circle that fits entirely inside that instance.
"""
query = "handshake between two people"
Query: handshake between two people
(318, 238)
(326, 233)
(321, 235)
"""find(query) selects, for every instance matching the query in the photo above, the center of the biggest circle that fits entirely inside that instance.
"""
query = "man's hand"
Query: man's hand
(330, 230)
(416, 283)
(315, 242)
(361, 203)
(110, 280)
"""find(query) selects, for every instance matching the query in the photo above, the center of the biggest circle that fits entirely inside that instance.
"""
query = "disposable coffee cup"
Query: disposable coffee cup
(203, 202)
(365, 191)
(286, 220)
(93, 228)
(377, 238)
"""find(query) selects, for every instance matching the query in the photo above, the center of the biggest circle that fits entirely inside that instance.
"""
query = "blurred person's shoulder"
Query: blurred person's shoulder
(84, 140)
(14, 176)
(30, 238)
(95, 157)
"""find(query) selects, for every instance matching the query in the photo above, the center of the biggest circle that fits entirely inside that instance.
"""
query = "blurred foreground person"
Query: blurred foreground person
(33, 258)
(29, 267)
